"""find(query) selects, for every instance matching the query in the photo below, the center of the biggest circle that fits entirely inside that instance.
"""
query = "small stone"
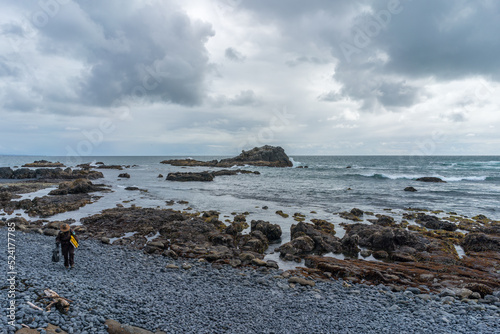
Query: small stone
(415, 291)
(475, 295)
(301, 281)
(259, 262)
(186, 266)
(447, 292)
(171, 266)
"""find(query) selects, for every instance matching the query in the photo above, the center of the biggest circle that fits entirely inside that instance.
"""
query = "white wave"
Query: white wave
(295, 164)
(414, 177)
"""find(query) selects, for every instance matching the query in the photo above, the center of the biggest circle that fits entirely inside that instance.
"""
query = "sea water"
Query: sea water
(329, 185)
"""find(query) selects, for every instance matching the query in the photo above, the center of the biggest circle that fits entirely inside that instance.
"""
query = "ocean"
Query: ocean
(329, 185)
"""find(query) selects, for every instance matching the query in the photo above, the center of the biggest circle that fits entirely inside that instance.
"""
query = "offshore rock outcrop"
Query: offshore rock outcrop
(269, 156)
(430, 179)
(205, 176)
(44, 164)
(48, 174)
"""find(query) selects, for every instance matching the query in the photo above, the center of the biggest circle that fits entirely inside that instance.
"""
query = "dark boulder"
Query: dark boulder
(6, 173)
(271, 231)
(480, 242)
(124, 175)
(80, 186)
(350, 244)
(430, 179)
(24, 173)
(190, 176)
(411, 189)
(434, 223)
(357, 212)
(389, 239)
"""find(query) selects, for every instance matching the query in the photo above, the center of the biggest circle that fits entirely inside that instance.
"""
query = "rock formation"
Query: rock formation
(269, 156)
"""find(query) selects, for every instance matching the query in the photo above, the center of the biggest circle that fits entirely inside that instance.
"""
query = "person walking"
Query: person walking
(67, 247)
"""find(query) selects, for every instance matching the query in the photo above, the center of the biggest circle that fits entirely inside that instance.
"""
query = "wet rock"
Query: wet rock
(50, 205)
(233, 172)
(480, 242)
(357, 212)
(271, 231)
(350, 244)
(383, 220)
(433, 222)
(365, 252)
(124, 175)
(118, 167)
(160, 176)
(190, 176)
(6, 173)
(430, 179)
(411, 189)
(282, 214)
(381, 255)
(80, 186)
(300, 246)
(377, 237)
(255, 242)
(324, 242)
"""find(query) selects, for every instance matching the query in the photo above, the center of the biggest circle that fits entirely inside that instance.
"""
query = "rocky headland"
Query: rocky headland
(268, 156)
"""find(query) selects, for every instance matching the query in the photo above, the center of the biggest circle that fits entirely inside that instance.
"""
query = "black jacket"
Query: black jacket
(65, 237)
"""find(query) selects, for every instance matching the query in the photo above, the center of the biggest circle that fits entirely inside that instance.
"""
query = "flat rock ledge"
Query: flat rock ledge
(205, 176)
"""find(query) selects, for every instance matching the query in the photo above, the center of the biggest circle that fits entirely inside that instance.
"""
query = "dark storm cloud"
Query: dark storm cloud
(380, 44)
(149, 51)
(234, 55)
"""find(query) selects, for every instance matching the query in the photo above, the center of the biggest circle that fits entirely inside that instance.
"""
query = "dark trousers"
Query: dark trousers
(68, 252)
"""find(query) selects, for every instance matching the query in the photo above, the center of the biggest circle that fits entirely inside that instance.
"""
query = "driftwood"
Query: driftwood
(61, 303)
(34, 306)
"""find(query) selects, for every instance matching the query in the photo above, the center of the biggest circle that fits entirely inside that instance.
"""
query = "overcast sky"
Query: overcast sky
(202, 77)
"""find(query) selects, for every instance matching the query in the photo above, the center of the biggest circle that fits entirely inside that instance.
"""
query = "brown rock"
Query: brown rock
(114, 327)
(301, 281)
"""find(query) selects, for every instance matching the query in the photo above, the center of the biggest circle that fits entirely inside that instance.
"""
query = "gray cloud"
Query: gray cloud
(306, 60)
(140, 51)
(234, 55)
(443, 39)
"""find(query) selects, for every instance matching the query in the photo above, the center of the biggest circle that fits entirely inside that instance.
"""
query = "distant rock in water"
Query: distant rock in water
(205, 176)
(44, 163)
(269, 156)
(410, 189)
(430, 179)
(184, 177)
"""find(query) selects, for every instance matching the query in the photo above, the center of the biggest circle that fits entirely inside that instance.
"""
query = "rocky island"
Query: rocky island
(268, 156)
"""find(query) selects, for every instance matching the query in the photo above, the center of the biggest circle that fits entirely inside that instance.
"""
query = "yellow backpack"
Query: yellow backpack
(73, 241)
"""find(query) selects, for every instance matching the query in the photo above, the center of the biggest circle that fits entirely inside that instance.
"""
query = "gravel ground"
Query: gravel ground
(112, 282)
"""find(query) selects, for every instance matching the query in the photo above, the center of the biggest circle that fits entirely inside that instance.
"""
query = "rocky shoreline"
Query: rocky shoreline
(158, 294)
